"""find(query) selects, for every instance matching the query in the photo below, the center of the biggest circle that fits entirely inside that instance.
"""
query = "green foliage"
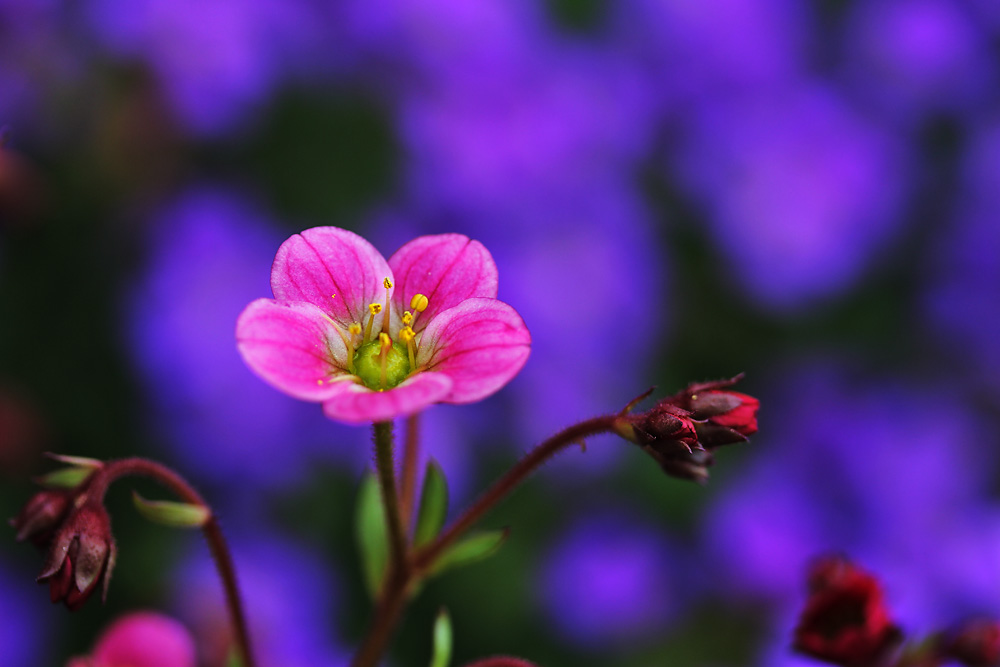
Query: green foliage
(172, 514)
(473, 548)
(371, 534)
(442, 640)
(433, 505)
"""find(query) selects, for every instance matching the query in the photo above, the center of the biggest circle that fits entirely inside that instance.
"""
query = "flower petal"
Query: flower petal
(480, 344)
(447, 269)
(334, 269)
(356, 404)
(293, 346)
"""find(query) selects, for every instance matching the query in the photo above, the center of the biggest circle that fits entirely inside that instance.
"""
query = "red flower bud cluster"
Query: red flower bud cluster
(681, 431)
(81, 557)
(846, 622)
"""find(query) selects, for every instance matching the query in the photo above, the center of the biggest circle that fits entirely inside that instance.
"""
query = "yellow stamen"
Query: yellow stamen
(385, 344)
(407, 317)
(374, 309)
(387, 283)
(353, 332)
(407, 335)
(419, 304)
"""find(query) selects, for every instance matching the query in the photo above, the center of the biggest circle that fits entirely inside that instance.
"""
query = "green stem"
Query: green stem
(382, 433)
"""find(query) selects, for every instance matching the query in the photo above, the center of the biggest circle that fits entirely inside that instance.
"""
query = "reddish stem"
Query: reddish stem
(114, 470)
(408, 480)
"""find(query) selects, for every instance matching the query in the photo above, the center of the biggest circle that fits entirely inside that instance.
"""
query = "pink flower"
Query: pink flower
(373, 340)
(141, 639)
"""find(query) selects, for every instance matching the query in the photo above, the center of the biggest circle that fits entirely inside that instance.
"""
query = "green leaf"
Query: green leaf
(172, 514)
(433, 505)
(372, 534)
(65, 478)
(471, 549)
(442, 640)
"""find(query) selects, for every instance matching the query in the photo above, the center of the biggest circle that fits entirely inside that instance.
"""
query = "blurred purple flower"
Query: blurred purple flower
(537, 141)
(800, 193)
(211, 253)
(606, 584)
(291, 598)
(219, 62)
(409, 43)
(917, 57)
(695, 50)
(27, 626)
(891, 474)
(962, 301)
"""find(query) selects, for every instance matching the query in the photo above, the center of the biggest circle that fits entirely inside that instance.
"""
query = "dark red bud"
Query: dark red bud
(41, 515)
(845, 621)
(975, 643)
(81, 557)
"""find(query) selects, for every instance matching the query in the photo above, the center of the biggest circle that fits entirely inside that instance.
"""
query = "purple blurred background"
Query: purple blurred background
(672, 190)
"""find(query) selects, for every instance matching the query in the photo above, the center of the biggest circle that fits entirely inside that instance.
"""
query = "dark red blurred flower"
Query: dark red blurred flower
(845, 621)
(81, 557)
(41, 515)
(975, 643)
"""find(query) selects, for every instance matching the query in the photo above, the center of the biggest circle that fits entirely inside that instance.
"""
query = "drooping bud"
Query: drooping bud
(41, 515)
(721, 417)
(975, 643)
(81, 557)
(845, 620)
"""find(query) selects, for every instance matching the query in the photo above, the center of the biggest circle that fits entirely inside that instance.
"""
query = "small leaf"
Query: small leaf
(76, 461)
(471, 549)
(371, 534)
(65, 478)
(442, 640)
(433, 505)
(172, 514)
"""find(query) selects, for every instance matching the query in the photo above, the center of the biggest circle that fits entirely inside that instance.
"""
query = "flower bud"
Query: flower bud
(845, 621)
(82, 556)
(41, 515)
(721, 417)
(975, 643)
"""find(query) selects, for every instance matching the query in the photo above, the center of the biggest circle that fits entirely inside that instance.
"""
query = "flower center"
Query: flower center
(378, 361)
(381, 366)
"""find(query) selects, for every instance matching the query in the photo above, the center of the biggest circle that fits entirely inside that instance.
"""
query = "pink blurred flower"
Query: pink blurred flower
(373, 340)
(141, 639)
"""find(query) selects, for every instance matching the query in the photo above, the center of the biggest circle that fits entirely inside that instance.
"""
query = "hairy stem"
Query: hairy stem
(382, 433)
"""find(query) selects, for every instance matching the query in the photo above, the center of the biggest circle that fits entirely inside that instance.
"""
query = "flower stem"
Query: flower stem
(402, 578)
(411, 457)
(114, 470)
(382, 433)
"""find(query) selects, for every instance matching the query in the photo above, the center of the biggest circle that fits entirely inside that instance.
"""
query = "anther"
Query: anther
(407, 317)
(387, 283)
(419, 304)
(374, 309)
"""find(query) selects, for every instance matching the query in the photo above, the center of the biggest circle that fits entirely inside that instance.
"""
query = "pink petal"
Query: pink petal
(356, 404)
(334, 269)
(481, 344)
(292, 345)
(447, 269)
(145, 639)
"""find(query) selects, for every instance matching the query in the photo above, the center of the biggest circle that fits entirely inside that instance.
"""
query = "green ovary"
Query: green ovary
(368, 365)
